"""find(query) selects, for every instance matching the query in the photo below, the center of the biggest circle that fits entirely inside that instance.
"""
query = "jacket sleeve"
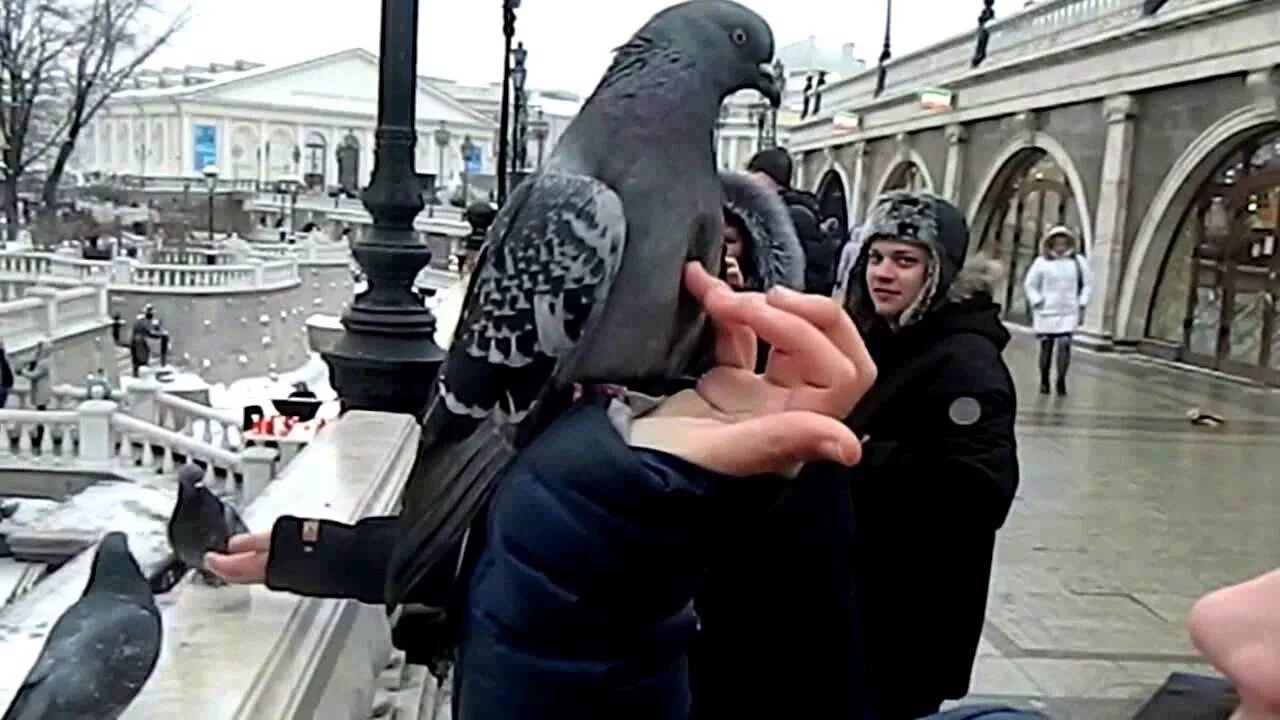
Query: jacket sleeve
(1031, 284)
(1086, 281)
(323, 558)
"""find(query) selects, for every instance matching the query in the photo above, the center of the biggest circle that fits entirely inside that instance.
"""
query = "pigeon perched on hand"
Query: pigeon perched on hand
(201, 522)
(580, 280)
(102, 650)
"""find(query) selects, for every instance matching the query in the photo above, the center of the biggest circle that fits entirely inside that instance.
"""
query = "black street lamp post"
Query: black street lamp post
(538, 130)
(780, 72)
(467, 149)
(210, 173)
(519, 73)
(886, 52)
(509, 8)
(984, 35)
(442, 138)
(387, 356)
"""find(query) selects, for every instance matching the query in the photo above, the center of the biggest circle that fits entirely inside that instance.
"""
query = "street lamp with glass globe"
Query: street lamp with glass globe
(538, 130)
(518, 76)
(468, 148)
(210, 173)
(291, 185)
(443, 137)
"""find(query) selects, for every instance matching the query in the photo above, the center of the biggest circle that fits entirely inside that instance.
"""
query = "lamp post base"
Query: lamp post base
(387, 357)
(385, 374)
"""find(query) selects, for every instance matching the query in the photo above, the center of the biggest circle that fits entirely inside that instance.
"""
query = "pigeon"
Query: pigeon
(580, 279)
(102, 650)
(201, 522)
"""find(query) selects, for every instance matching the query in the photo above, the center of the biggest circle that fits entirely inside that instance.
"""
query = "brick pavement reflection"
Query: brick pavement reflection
(1127, 513)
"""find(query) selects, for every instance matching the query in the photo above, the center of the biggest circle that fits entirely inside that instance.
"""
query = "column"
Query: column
(261, 158)
(185, 159)
(1106, 257)
(956, 137)
(857, 194)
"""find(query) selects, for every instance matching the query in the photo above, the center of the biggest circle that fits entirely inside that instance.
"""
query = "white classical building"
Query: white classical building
(263, 124)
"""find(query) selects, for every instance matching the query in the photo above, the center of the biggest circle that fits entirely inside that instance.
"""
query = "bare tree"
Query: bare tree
(60, 61)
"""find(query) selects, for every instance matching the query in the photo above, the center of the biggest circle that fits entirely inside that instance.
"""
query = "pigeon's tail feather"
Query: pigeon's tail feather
(461, 477)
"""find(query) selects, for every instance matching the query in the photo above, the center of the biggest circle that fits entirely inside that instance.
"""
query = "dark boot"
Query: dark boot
(1062, 387)
(1046, 360)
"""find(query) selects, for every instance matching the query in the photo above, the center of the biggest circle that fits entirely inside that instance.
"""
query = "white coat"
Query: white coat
(1057, 290)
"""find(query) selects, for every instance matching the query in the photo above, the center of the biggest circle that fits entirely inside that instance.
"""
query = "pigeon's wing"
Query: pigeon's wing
(547, 267)
(235, 524)
(95, 661)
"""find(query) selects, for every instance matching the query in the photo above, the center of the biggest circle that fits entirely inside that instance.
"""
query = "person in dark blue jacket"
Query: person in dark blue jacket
(580, 604)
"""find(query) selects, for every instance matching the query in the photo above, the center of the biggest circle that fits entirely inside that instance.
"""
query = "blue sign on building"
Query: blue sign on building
(204, 146)
(475, 165)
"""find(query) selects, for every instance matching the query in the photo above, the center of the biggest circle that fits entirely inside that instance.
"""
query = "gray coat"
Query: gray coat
(39, 373)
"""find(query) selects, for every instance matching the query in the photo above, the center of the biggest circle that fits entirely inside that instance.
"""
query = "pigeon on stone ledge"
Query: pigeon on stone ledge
(102, 650)
(580, 279)
(201, 522)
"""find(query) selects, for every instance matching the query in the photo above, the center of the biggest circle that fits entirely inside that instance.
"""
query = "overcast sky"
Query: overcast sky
(568, 40)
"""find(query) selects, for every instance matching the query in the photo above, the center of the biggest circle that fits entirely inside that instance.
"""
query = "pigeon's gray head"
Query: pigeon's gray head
(730, 43)
(190, 478)
(115, 570)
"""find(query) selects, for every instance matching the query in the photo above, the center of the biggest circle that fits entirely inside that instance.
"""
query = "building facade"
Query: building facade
(313, 121)
(1155, 136)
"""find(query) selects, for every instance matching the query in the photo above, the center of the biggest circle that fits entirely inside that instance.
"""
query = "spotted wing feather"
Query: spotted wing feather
(546, 268)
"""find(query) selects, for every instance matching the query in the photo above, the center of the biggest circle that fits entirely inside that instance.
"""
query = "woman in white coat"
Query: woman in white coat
(1057, 288)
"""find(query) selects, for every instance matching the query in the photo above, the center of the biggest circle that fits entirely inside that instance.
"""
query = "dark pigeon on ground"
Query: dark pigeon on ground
(101, 651)
(580, 280)
(201, 522)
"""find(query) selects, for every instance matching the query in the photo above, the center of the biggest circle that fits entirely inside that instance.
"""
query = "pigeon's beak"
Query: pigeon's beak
(769, 84)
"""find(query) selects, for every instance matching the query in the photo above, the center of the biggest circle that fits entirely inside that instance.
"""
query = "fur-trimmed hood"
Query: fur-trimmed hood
(1056, 232)
(938, 226)
(777, 258)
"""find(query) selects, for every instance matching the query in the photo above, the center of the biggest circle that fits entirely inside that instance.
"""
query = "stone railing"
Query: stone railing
(447, 223)
(277, 655)
(129, 275)
(1037, 29)
(98, 436)
(47, 313)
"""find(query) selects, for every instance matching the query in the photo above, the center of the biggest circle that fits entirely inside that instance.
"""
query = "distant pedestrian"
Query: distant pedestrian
(1057, 287)
(6, 376)
(38, 372)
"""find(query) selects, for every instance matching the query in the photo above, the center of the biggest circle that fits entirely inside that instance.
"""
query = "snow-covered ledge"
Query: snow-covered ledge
(237, 653)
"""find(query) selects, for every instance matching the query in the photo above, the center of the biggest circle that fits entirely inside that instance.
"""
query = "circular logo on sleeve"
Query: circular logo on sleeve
(965, 411)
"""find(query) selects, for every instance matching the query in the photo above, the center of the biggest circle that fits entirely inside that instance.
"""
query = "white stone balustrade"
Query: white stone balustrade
(97, 436)
(47, 313)
(268, 654)
(126, 274)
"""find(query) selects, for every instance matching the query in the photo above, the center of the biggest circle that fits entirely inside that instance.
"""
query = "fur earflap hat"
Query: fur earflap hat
(918, 218)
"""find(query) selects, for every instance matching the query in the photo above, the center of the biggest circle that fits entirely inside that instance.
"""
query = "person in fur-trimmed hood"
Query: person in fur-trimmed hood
(940, 467)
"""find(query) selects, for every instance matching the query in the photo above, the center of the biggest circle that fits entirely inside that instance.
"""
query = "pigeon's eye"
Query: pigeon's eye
(738, 36)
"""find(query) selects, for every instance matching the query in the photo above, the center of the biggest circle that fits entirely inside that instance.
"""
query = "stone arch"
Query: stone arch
(833, 193)
(315, 159)
(244, 153)
(903, 159)
(1170, 203)
(1005, 166)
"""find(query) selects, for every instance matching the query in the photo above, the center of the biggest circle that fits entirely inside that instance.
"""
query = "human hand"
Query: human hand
(245, 562)
(1237, 629)
(741, 423)
(733, 273)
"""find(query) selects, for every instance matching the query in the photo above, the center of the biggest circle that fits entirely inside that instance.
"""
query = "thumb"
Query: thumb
(779, 443)
(249, 567)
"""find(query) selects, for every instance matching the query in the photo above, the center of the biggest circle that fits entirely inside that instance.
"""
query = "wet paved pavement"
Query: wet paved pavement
(1127, 513)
